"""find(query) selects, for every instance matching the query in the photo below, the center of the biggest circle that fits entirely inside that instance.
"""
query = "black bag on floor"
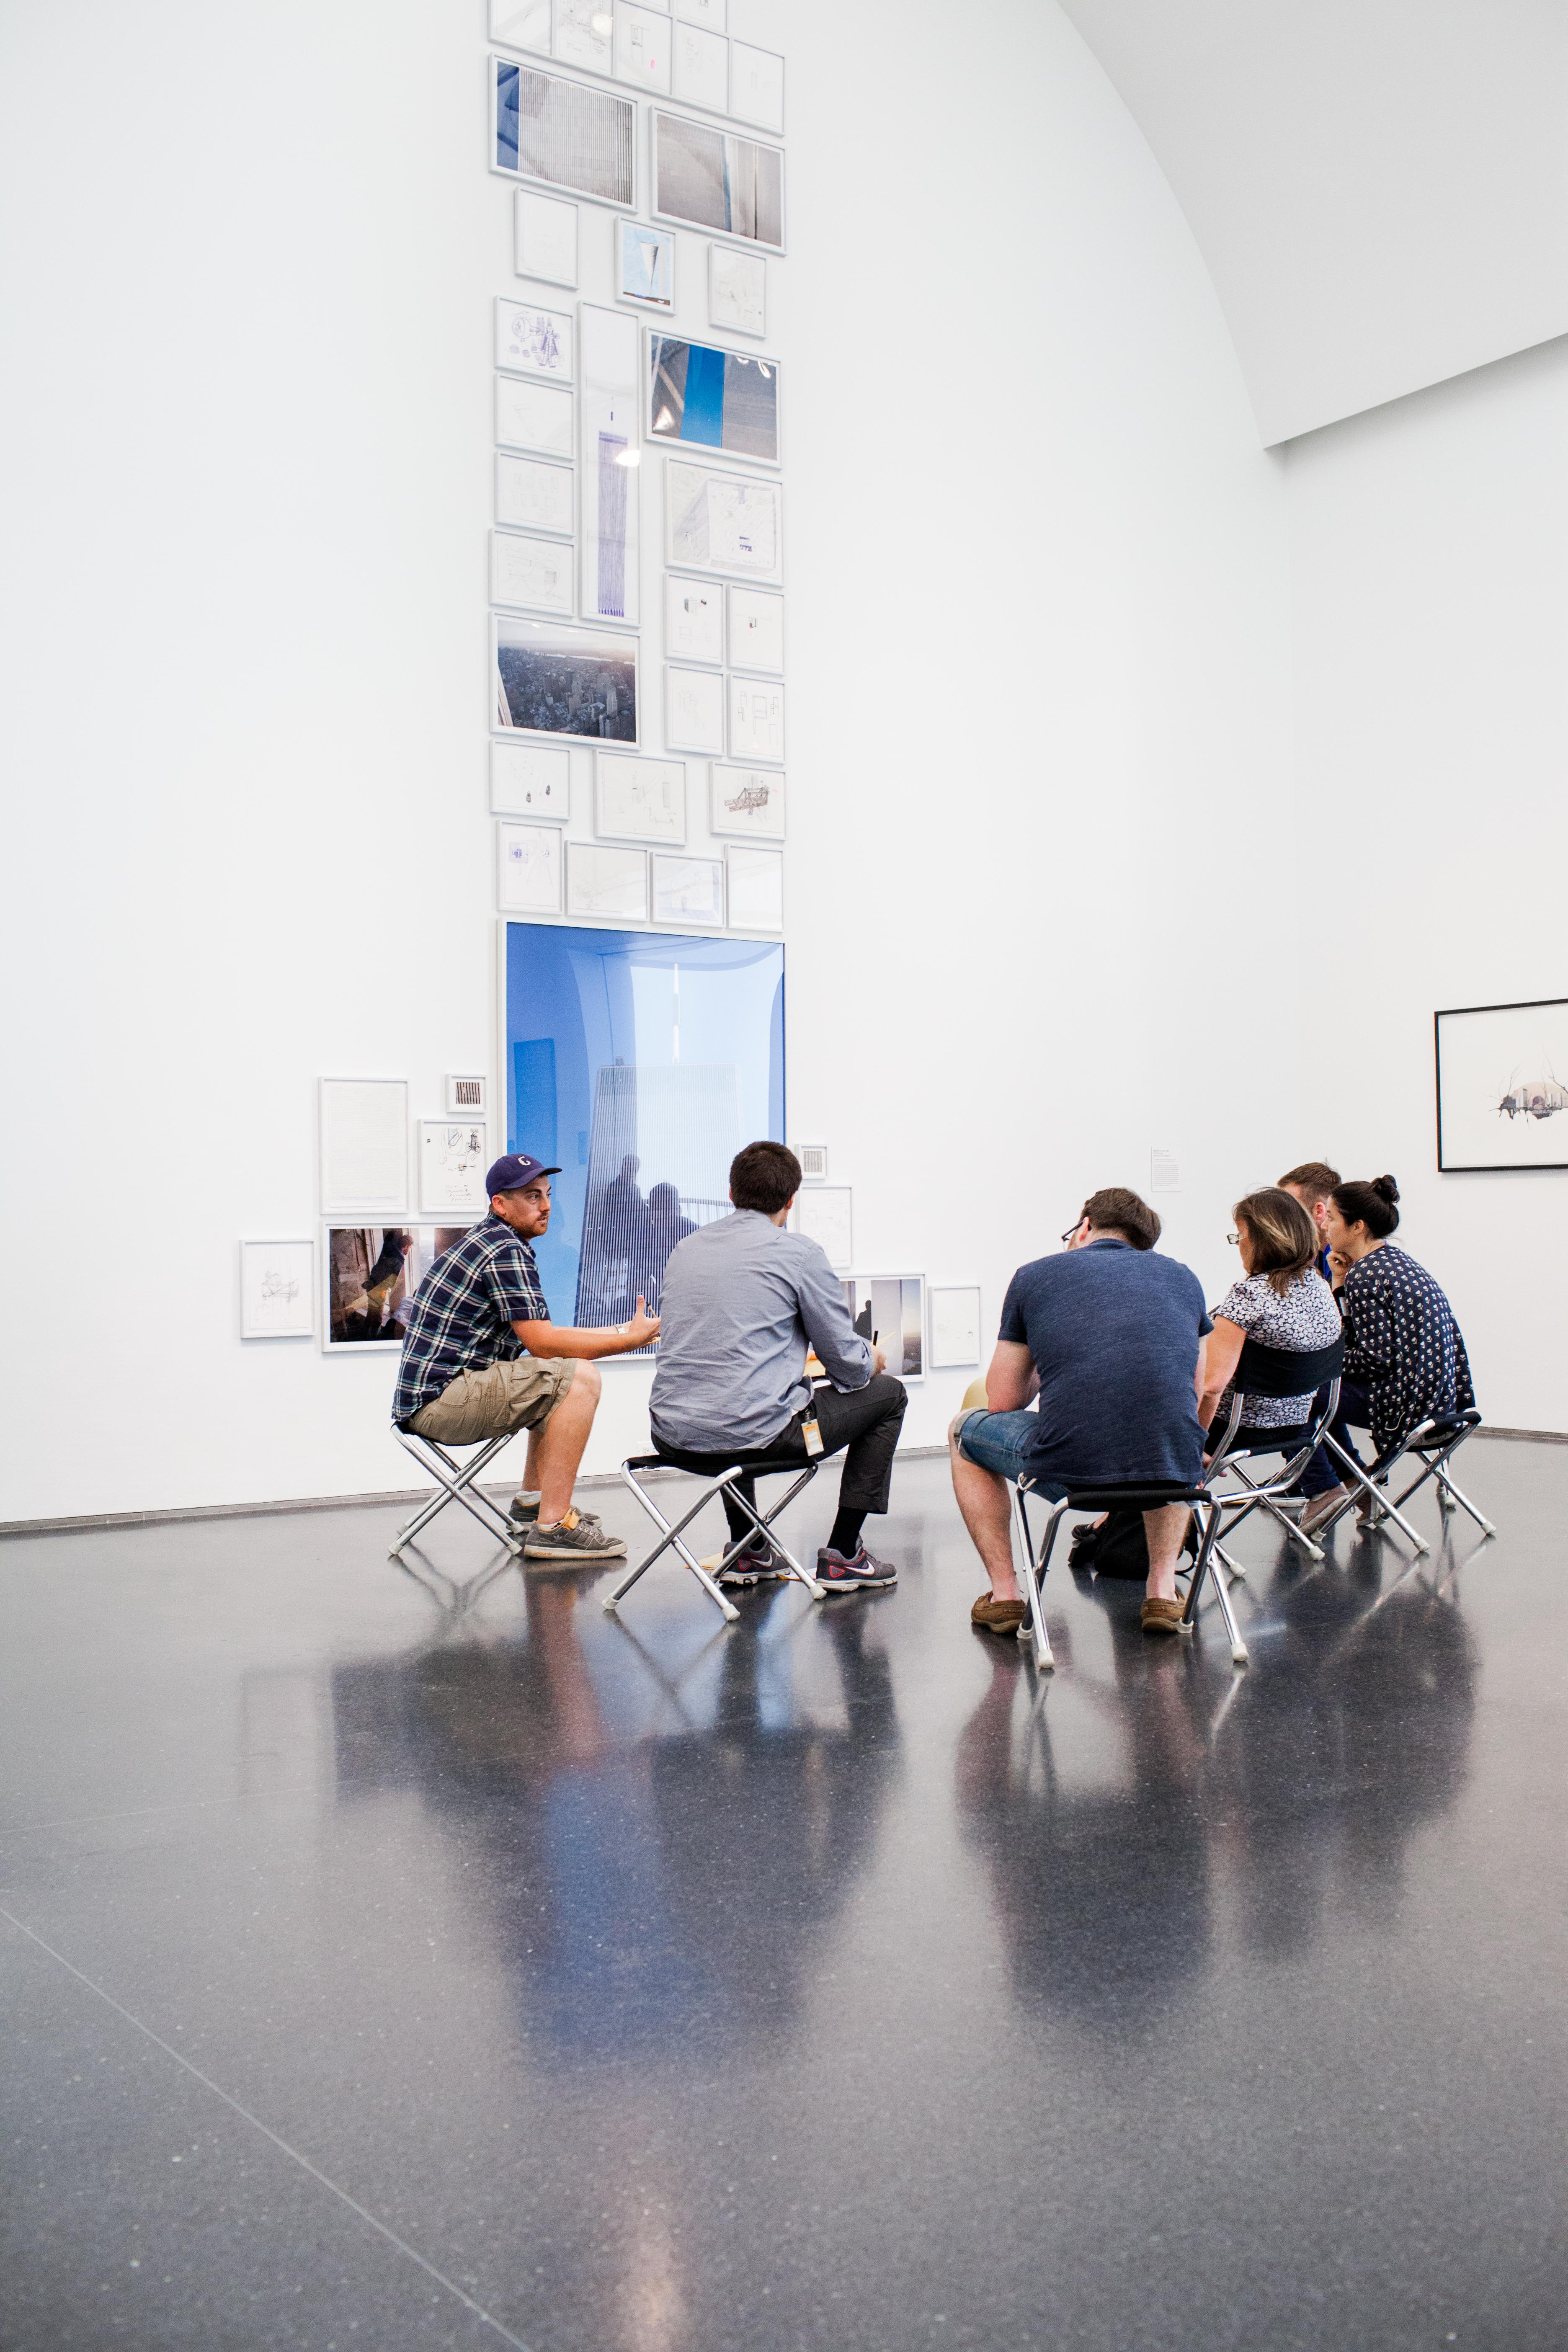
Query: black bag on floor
(1120, 1547)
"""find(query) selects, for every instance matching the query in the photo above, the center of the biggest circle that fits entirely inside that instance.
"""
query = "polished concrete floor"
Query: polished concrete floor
(414, 1958)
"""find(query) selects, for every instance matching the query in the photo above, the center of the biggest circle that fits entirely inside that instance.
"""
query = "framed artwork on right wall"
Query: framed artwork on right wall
(1502, 1084)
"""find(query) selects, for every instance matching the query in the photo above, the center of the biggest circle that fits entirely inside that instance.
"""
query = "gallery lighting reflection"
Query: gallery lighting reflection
(628, 457)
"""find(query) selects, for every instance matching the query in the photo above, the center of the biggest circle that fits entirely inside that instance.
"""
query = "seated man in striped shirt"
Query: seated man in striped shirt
(481, 1355)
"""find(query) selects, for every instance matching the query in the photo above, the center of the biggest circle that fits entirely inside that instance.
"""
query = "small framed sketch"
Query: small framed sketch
(532, 496)
(694, 710)
(453, 1158)
(701, 12)
(954, 1326)
(640, 799)
(737, 291)
(607, 884)
(532, 341)
(365, 1145)
(713, 399)
(579, 141)
(701, 68)
(1503, 1086)
(756, 630)
(529, 869)
(521, 24)
(373, 1273)
(582, 33)
(826, 1214)
(278, 1290)
(642, 47)
(693, 619)
(707, 178)
(544, 237)
(645, 265)
(689, 890)
(889, 1310)
(550, 680)
(756, 86)
(754, 891)
(468, 1094)
(531, 780)
(722, 523)
(533, 574)
(749, 801)
(813, 1158)
(537, 416)
(757, 718)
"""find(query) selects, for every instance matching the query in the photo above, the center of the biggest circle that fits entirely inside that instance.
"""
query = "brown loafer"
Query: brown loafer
(1163, 1617)
(997, 1616)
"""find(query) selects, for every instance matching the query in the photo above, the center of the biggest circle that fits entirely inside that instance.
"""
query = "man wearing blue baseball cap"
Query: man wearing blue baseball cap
(481, 1355)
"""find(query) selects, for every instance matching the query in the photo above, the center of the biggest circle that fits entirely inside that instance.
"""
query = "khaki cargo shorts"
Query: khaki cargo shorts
(496, 1400)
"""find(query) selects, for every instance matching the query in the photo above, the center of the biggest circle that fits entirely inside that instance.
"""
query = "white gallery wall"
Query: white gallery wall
(1038, 677)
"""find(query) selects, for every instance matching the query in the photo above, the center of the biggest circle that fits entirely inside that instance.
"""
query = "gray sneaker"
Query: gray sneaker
(755, 1564)
(864, 1573)
(523, 1510)
(578, 1536)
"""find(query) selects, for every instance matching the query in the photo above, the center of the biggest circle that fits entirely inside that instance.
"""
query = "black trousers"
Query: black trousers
(863, 1426)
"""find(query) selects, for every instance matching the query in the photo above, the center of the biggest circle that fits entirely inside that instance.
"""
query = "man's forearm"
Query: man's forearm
(586, 1346)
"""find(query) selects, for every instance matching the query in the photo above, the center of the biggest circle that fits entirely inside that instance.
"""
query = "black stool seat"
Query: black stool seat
(709, 1466)
(1144, 1495)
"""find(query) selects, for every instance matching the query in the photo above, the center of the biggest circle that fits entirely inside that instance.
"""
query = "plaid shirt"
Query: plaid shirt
(462, 1315)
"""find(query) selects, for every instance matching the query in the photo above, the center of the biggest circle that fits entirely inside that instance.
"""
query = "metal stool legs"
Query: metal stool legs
(672, 1538)
(1033, 1625)
(454, 1481)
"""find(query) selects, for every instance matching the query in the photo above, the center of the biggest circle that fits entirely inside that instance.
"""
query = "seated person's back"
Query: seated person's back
(1281, 1301)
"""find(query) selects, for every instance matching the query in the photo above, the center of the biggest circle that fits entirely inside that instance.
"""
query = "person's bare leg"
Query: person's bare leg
(1165, 1530)
(983, 1500)
(555, 1451)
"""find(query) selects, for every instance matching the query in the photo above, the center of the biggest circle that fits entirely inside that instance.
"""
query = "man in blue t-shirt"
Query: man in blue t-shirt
(1110, 1339)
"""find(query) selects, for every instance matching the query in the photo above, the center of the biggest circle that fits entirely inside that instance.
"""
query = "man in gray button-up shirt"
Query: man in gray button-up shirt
(741, 1303)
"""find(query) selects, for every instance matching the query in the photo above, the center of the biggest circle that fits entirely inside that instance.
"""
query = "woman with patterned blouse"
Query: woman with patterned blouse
(1281, 1301)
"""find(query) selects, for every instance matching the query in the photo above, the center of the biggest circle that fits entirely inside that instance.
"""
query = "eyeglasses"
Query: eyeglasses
(1235, 1240)
(1070, 1233)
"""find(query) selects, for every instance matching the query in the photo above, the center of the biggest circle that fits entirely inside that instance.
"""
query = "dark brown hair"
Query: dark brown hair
(1315, 1177)
(1117, 1211)
(1284, 1238)
(1369, 1202)
(763, 1176)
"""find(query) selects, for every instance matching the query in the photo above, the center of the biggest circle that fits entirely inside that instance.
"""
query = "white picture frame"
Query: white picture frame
(363, 1135)
(708, 177)
(544, 237)
(531, 574)
(898, 1317)
(532, 494)
(521, 24)
(699, 73)
(750, 405)
(562, 134)
(645, 265)
(754, 629)
(532, 340)
(609, 582)
(354, 1252)
(468, 1094)
(693, 620)
(580, 37)
(711, 13)
(688, 890)
(722, 523)
(813, 1158)
(737, 291)
(452, 1155)
(530, 779)
(694, 710)
(538, 417)
(530, 868)
(640, 800)
(530, 695)
(277, 1289)
(749, 802)
(956, 1338)
(754, 888)
(757, 86)
(827, 1215)
(643, 40)
(605, 885)
(756, 729)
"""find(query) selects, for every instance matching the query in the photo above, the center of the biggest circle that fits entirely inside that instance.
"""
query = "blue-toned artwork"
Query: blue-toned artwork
(714, 399)
(638, 1063)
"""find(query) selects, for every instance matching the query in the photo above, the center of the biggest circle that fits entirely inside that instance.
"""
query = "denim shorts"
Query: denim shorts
(1006, 1442)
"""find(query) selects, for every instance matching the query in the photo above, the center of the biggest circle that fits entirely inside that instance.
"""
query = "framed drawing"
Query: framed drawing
(826, 1214)
(889, 1311)
(689, 890)
(693, 619)
(737, 291)
(584, 31)
(365, 1145)
(640, 799)
(756, 86)
(533, 417)
(453, 1158)
(531, 495)
(755, 890)
(534, 574)
(954, 1326)
(608, 883)
(373, 1273)
(642, 44)
(607, 415)
(813, 1158)
(749, 801)
(702, 76)
(521, 24)
(715, 180)
(530, 779)
(645, 265)
(756, 629)
(551, 679)
(713, 399)
(757, 718)
(529, 869)
(532, 341)
(694, 710)
(1503, 1086)
(571, 137)
(468, 1094)
(702, 12)
(544, 237)
(722, 523)
(277, 1290)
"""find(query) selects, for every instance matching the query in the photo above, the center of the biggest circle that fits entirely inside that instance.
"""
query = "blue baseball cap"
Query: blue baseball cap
(512, 1172)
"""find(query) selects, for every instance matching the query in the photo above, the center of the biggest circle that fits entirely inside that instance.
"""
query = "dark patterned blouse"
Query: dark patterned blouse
(1402, 1343)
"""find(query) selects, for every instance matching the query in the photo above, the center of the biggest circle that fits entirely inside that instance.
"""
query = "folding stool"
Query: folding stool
(456, 1481)
(1139, 1495)
(1273, 1373)
(720, 1470)
(1434, 1442)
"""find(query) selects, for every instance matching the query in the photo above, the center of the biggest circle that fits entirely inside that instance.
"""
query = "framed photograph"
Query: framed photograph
(534, 574)
(532, 341)
(756, 630)
(954, 1326)
(694, 710)
(702, 76)
(609, 884)
(889, 1310)
(530, 779)
(468, 1094)
(722, 523)
(531, 495)
(756, 86)
(713, 179)
(749, 801)
(551, 679)
(364, 1144)
(607, 417)
(521, 24)
(689, 890)
(538, 416)
(737, 291)
(640, 799)
(645, 265)
(453, 1157)
(372, 1273)
(563, 133)
(693, 619)
(757, 718)
(642, 47)
(529, 869)
(754, 890)
(813, 1158)
(1503, 1086)
(278, 1290)
(710, 12)
(713, 399)
(583, 30)
(544, 237)
(826, 1214)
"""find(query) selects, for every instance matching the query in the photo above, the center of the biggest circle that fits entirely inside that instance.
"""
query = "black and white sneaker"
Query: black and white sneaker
(756, 1562)
(577, 1537)
(864, 1573)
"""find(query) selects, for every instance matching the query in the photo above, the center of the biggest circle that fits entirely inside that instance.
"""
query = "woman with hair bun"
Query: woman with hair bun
(1404, 1360)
